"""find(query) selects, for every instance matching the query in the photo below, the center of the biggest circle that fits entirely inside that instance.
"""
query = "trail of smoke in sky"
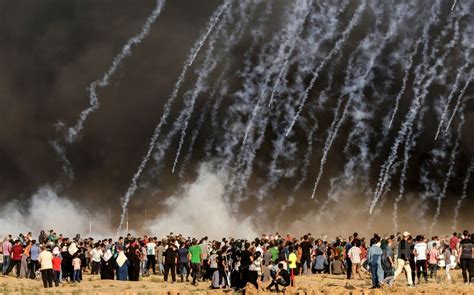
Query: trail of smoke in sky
(358, 83)
(465, 187)
(209, 65)
(460, 96)
(354, 21)
(417, 103)
(280, 62)
(126, 51)
(167, 108)
(61, 152)
(450, 173)
(451, 94)
(404, 83)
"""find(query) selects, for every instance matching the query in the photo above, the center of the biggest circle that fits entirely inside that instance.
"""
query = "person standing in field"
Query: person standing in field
(46, 261)
(195, 252)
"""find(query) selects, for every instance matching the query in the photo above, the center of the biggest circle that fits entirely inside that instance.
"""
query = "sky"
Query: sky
(51, 50)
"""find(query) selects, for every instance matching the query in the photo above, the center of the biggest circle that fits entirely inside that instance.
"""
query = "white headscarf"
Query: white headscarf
(56, 250)
(72, 249)
(121, 258)
(107, 255)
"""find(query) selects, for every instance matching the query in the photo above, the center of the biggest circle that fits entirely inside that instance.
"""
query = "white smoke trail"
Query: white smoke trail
(280, 63)
(465, 187)
(61, 152)
(417, 103)
(460, 96)
(126, 51)
(451, 94)
(167, 108)
(450, 173)
(356, 84)
(354, 21)
(209, 65)
(404, 83)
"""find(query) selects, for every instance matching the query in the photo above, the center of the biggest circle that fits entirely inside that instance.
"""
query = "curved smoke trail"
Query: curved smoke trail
(126, 51)
(167, 108)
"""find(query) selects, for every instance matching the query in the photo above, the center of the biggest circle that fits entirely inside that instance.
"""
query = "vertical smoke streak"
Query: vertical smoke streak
(126, 51)
(417, 103)
(460, 96)
(61, 152)
(404, 83)
(208, 67)
(167, 108)
(450, 173)
(354, 21)
(451, 94)
(280, 63)
(465, 187)
(355, 84)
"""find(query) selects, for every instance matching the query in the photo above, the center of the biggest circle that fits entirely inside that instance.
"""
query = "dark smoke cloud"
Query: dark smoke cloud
(51, 50)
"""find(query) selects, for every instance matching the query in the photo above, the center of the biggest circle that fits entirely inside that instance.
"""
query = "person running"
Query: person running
(403, 259)
(466, 250)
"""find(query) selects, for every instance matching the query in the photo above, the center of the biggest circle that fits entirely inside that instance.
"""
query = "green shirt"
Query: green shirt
(195, 254)
(274, 252)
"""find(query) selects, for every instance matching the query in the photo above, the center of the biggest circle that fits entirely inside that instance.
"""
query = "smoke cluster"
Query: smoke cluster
(200, 210)
(311, 112)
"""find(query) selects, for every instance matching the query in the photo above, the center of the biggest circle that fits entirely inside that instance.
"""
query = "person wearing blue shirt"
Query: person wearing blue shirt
(374, 256)
(34, 264)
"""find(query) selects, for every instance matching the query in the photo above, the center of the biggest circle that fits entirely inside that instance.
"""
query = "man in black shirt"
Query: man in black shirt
(306, 254)
(246, 259)
(282, 279)
(170, 262)
(466, 249)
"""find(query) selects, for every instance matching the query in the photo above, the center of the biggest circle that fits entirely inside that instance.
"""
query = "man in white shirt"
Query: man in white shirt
(420, 251)
(96, 255)
(46, 261)
(151, 255)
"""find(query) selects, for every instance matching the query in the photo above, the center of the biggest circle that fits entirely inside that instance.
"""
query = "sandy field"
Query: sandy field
(312, 284)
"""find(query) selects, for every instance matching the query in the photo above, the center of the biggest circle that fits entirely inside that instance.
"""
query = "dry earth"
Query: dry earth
(313, 284)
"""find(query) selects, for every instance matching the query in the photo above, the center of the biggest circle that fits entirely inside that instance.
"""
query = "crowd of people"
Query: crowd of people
(270, 262)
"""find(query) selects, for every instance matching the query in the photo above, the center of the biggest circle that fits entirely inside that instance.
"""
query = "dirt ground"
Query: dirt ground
(312, 284)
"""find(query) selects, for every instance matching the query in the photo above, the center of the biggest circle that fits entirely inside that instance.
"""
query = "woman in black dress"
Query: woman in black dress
(134, 255)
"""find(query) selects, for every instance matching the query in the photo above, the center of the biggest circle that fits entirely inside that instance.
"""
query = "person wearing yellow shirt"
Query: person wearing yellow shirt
(292, 264)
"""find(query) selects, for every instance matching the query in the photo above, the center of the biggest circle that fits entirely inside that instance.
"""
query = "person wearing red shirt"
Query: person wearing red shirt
(56, 266)
(17, 251)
